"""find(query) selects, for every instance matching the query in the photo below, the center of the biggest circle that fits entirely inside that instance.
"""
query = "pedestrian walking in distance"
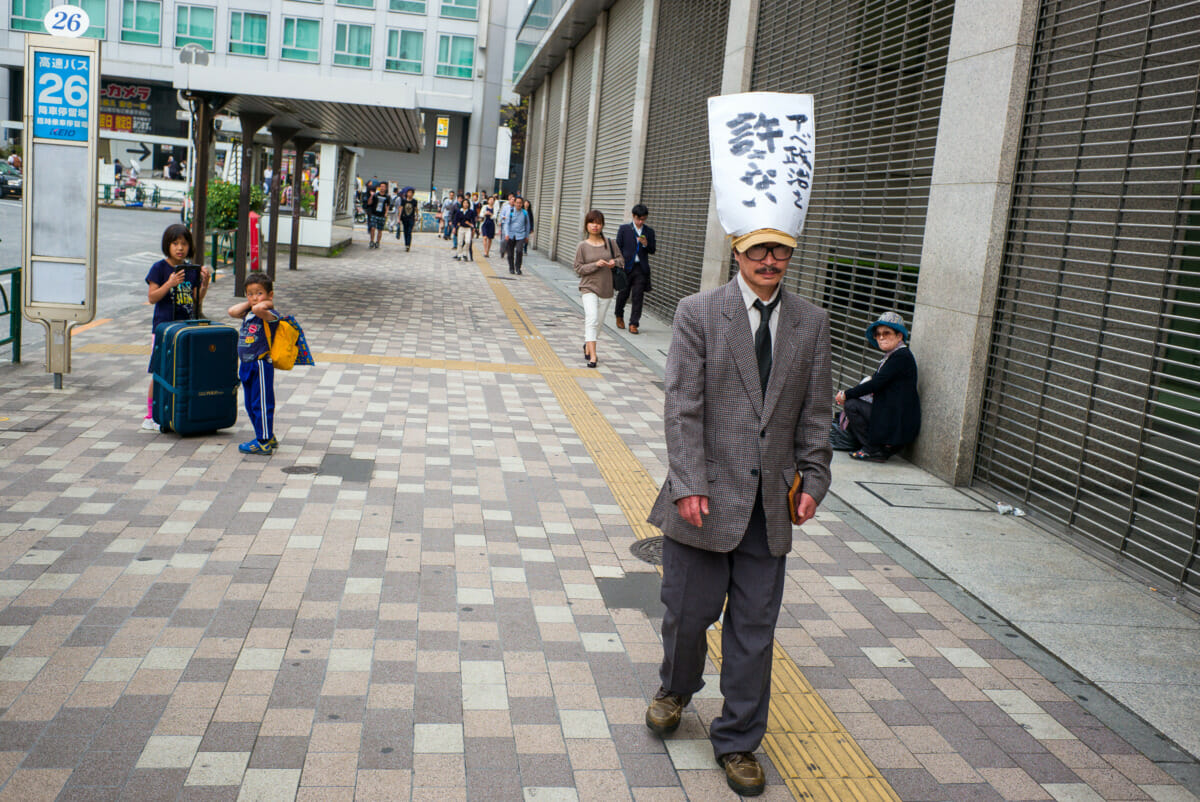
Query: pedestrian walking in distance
(636, 241)
(595, 260)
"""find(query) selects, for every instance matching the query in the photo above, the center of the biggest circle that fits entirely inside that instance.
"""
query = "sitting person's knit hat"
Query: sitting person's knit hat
(890, 319)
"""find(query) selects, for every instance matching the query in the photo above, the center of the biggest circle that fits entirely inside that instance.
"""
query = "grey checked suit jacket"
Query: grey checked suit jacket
(723, 436)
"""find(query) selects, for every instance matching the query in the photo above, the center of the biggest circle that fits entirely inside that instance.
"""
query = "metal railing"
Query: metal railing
(9, 305)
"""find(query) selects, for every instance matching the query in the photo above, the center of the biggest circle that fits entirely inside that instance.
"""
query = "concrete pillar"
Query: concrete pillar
(327, 188)
(983, 102)
(593, 115)
(279, 135)
(641, 104)
(739, 63)
(6, 108)
(560, 157)
(251, 122)
(301, 144)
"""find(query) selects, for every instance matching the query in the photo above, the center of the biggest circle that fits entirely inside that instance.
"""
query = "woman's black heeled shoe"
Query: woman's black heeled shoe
(592, 364)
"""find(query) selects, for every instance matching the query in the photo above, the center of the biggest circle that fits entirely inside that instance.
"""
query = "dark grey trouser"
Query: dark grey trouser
(858, 413)
(515, 254)
(695, 585)
(635, 293)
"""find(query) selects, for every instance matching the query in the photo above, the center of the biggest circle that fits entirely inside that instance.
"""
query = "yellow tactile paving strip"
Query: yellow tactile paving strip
(367, 359)
(815, 756)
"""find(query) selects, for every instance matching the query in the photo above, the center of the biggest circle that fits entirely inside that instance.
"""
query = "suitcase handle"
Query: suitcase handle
(170, 388)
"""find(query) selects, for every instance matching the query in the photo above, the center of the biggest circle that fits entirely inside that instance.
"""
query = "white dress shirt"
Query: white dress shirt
(749, 297)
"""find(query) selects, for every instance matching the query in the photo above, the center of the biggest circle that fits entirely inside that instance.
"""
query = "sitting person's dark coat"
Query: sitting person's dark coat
(892, 419)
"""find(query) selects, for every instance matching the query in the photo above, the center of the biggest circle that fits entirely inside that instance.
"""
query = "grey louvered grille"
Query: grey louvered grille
(688, 59)
(570, 218)
(543, 219)
(533, 136)
(1091, 413)
(614, 132)
(876, 70)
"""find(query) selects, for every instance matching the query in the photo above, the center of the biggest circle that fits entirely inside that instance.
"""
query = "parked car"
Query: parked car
(10, 180)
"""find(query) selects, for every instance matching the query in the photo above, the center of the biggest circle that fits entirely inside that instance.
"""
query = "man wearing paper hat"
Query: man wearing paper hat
(748, 403)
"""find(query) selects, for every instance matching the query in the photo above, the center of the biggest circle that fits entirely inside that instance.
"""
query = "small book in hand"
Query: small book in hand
(794, 498)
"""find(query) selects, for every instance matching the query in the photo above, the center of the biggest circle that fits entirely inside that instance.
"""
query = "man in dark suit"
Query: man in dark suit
(749, 395)
(735, 444)
(636, 241)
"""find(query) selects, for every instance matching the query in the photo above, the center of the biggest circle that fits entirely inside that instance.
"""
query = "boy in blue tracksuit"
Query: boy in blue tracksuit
(254, 355)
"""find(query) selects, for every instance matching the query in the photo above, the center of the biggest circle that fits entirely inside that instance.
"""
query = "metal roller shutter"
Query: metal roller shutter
(876, 69)
(614, 127)
(543, 218)
(570, 218)
(1091, 412)
(532, 139)
(688, 61)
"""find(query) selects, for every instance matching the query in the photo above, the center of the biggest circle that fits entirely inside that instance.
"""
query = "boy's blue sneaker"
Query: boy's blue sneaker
(254, 447)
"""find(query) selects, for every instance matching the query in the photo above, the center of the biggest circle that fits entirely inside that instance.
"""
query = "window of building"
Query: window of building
(521, 54)
(194, 25)
(301, 39)
(407, 6)
(460, 9)
(359, 3)
(456, 56)
(140, 21)
(404, 51)
(27, 15)
(247, 33)
(97, 15)
(352, 45)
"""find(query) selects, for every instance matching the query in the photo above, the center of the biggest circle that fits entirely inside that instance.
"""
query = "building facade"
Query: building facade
(1018, 178)
(453, 53)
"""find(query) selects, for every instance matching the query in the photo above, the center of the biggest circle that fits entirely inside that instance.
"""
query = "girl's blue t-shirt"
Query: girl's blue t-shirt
(181, 302)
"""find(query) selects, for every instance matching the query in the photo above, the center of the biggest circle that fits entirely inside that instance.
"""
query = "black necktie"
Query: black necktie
(762, 340)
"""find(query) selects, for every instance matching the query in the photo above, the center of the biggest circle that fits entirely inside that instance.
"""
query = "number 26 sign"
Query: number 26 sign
(69, 21)
(61, 102)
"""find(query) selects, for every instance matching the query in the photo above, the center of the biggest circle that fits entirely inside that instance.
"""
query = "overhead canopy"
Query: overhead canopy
(374, 114)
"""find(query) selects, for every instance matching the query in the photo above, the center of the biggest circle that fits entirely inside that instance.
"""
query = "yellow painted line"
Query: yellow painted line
(370, 359)
(113, 348)
(77, 329)
(810, 748)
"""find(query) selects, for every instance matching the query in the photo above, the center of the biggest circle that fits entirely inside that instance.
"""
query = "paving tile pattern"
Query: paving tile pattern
(180, 621)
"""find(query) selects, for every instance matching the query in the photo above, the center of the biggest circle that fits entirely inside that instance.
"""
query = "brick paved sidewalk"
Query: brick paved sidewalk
(429, 593)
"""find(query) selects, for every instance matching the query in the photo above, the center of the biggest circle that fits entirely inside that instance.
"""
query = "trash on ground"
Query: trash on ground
(1008, 509)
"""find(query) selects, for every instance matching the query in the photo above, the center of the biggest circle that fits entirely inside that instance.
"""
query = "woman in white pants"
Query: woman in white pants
(595, 259)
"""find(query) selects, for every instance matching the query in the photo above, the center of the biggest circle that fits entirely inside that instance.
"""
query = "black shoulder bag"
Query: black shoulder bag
(619, 276)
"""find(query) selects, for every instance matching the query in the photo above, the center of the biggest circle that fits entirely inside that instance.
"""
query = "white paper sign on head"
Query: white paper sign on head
(761, 145)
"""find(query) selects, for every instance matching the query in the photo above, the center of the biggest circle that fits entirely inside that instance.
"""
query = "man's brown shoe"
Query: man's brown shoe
(620, 323)
(664, 713)
(633, 329)
(743, 773)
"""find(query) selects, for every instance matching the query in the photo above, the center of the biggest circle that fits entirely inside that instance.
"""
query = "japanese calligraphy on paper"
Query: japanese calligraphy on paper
(761, 145)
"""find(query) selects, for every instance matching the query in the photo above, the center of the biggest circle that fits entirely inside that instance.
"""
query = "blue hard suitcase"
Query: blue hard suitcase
(195, 376)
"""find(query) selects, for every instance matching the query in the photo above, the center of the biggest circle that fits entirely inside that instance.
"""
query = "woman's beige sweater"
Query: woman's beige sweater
(592, 277)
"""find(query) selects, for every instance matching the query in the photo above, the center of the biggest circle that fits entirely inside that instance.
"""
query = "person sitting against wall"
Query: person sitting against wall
(884, 412)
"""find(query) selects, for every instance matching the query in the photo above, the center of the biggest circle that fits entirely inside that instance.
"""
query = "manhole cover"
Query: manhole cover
(648, 550)
(300, 469)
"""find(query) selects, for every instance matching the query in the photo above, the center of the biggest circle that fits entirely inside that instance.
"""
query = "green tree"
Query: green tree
(224, 199)
(516, 117)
